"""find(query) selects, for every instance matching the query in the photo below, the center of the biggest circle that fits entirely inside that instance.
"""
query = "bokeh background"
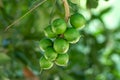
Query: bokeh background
(95, 57)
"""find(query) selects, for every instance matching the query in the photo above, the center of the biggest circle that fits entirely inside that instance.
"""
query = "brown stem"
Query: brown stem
(29, 75)
(18, 20)
(1, 4)
(67, 10)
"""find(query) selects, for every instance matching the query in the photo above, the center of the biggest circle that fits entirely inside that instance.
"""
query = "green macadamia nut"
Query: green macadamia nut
(62, 60)
(72, 35)
(49, 33)
(61, 45)
(50, 54)
(77, 20)
(45, 64)
(44, 43)
(59, 26)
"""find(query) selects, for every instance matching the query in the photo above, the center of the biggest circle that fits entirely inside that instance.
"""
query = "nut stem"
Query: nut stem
(67, 10)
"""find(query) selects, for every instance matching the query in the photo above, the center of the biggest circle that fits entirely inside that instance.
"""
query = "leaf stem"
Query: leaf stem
(52, 12)
(67, 10)
(16, 21)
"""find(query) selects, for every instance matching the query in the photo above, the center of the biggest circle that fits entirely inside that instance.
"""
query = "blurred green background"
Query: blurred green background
(95, 57)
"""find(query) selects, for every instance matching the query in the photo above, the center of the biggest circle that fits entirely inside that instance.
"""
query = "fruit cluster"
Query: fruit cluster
(56, 43)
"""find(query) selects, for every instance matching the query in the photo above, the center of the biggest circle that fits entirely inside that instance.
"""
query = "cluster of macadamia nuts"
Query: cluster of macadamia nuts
(57, 38)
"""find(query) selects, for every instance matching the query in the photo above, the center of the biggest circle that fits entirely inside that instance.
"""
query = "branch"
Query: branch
(29, 75)
(16, 21)
(67, 10)
(1, 4)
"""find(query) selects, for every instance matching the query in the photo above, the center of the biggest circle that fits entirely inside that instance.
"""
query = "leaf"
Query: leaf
(73, 6)
(106, 0)
(4, 58)
(20, 56)
(92, 3)
(105, 11)
(75, 1)
(1, 4)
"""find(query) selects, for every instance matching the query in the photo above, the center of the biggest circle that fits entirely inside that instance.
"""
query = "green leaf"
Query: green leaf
(73, 6)
(92, 3)
(105, 11)
(21, 56)
(4, 58)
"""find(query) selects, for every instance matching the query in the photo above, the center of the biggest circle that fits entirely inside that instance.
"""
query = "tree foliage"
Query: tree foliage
(95, 57)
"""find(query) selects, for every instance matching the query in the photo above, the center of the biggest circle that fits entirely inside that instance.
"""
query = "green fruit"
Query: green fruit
(49, 33)
(45, 43)
(59, 26)
(60, 45)
(50, 54)
(72, 35)
(77, 20)
(45, 64)
(62, 60)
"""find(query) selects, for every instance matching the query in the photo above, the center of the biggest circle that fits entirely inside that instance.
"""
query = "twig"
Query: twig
(29, 75)
(52, 12)
(16, 21)
(1, 4)
(67, 10)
